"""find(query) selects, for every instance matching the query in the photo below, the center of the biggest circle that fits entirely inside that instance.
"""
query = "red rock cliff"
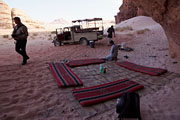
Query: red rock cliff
(128, 10)
(165, 12)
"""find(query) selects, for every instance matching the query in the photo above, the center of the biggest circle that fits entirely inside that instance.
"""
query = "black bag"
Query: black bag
(128, 105)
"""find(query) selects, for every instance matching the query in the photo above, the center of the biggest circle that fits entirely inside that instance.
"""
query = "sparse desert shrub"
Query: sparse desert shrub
(35, 34)
(121, 29)
(5, 36)
(53, 32)
(32, 37)
(142, 31)
(50, 38)
(130, 34)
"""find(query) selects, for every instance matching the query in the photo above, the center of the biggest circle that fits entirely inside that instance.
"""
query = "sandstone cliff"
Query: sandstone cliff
(165, 12)
(6, 15)
(25, 19)
(128, 10)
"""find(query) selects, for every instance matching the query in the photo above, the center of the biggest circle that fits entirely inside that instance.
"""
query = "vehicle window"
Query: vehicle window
(59, 31)
(66, 29)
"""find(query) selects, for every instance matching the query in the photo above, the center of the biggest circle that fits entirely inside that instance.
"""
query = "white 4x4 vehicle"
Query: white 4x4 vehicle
(77, 34)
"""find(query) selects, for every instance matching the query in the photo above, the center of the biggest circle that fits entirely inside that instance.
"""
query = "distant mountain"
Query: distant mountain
(60, 21)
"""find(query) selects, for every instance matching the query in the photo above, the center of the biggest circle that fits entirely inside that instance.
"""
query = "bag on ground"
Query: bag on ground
(128, 105)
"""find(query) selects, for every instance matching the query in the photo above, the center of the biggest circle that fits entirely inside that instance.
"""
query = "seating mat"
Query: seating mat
(82, 62)
(63, 75)
(99, 93)
(142, 69)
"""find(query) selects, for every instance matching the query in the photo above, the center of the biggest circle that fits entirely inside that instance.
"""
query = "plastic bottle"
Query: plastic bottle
(101, 68)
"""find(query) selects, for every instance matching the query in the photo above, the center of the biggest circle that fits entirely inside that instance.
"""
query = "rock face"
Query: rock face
(5, 16)
(26, 19)
(165, 12)
(128, 10)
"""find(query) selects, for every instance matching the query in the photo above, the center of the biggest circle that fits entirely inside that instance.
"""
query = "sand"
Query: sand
(30, 92)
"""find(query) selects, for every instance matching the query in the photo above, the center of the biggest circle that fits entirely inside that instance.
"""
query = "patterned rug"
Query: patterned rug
(99, 93)
(142, 69)
(63, 75)
(83, 62)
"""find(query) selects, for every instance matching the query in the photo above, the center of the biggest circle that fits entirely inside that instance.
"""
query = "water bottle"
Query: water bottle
(101, 68)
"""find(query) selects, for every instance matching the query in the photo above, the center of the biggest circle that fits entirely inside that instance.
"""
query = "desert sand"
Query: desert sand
(30, 92)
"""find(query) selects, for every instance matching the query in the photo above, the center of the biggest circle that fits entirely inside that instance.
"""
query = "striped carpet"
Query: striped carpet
(142, 69)
(63, 75)
(99, 93)
(77, 63)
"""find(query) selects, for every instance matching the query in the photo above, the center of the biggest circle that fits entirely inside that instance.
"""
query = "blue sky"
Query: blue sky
(48, 10)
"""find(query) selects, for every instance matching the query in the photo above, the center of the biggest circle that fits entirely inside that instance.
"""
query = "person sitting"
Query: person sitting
(113, 52)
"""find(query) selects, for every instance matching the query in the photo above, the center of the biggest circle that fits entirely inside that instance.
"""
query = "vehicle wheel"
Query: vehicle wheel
(57, 43)
(84, 41)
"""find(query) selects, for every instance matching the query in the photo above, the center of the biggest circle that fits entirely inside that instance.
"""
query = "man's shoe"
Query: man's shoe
(24, 63)
(27, 57)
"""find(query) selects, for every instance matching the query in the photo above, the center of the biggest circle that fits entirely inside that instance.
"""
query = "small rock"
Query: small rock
(126, 56)
(175, 62)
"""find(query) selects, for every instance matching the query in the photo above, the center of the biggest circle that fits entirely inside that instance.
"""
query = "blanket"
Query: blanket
(99, 93)
(77, 63)
(142, 69)
(63, 75)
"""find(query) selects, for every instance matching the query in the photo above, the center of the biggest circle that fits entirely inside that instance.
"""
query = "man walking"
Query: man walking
(110, 32)
(20, 34)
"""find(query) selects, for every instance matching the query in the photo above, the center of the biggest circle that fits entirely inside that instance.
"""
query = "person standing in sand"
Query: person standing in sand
(111, 34)
(20, 34)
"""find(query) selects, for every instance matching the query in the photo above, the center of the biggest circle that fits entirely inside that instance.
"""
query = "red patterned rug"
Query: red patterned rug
(99, 93)
(63, 75)
(83, 62)
(142, 69)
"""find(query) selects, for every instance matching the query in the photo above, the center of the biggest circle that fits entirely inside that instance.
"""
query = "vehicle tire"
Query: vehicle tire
(84, 41)
(57, 43)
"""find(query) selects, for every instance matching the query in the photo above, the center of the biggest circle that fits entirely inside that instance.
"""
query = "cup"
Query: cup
(104, 70)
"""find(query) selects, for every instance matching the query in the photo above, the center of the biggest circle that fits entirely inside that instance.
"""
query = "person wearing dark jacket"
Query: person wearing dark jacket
(111, 34)
(20, 34)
